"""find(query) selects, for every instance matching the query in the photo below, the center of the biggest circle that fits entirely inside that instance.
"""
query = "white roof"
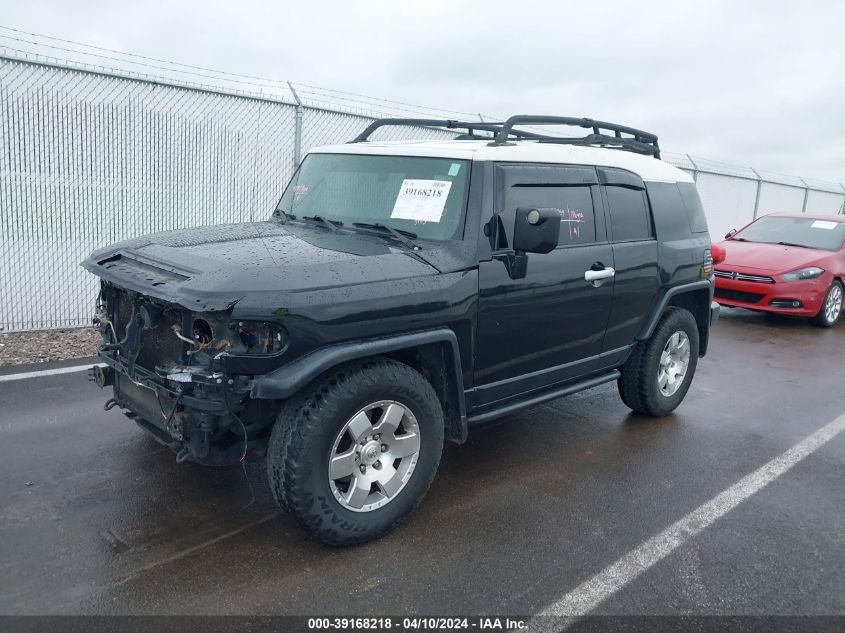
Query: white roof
(647, 167)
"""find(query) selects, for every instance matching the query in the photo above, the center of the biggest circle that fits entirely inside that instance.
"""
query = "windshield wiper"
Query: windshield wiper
(794, 244)
(332, 224)
(740, 239)
(399, 234)
(284, 214)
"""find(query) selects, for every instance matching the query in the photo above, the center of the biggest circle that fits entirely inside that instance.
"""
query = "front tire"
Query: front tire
(354, 455)
(831, 309)
(657, 375)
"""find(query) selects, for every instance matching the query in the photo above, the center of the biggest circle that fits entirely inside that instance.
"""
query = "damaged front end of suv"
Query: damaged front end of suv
(178, 372)
(202, 328)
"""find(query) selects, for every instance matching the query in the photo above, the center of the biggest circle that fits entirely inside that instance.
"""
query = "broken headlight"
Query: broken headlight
(256, 337)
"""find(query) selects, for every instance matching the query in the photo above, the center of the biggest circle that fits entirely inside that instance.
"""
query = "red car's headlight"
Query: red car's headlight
(802, 274)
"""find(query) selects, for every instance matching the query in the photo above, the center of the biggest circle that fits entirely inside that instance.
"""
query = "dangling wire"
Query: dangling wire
(242, 459)
(169, 417)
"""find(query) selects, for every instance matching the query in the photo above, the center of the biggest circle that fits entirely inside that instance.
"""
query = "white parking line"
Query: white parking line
(586, 597)
(46, 372)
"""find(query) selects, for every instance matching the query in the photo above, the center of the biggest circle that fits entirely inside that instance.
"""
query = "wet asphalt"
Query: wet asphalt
(96, 518)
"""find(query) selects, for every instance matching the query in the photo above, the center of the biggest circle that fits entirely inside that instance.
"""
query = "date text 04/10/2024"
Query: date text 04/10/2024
(418, 623)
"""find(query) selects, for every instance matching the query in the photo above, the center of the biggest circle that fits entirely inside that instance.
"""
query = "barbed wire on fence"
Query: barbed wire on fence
(141, 66)
(264, 81)
(328, 98)
(316, 96)
(93, 155)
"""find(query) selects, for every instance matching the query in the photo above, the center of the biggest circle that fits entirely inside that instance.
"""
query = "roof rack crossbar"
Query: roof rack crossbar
(502, 132)
(642, 142)
(604, 140)
(470, 126)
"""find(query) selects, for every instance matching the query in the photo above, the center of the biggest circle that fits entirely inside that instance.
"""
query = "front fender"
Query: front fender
(287, 380)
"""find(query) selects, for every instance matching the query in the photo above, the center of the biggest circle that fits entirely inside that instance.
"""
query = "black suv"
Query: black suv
(401, 293)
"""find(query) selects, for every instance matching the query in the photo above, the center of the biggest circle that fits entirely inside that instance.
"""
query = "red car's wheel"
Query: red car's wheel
(831, 308)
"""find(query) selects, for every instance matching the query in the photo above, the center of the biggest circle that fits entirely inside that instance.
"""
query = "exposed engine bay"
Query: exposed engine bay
(166, 365)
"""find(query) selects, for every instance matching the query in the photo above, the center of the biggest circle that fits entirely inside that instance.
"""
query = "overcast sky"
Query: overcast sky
(750, 83)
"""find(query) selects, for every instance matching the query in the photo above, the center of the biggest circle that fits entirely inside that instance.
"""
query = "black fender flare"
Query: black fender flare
(650, 324)
(287, 380)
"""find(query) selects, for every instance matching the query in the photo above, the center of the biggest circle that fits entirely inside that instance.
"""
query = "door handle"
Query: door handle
(598, 275)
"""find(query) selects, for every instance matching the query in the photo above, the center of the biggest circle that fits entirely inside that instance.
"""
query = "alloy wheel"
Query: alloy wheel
(833, 304)
(374, 456)
(674, 361)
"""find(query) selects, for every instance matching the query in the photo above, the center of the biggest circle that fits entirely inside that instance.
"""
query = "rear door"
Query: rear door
(549, 326)
(632, 235)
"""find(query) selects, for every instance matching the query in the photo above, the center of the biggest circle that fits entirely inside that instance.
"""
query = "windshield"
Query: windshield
(772, 229)
(426, 196)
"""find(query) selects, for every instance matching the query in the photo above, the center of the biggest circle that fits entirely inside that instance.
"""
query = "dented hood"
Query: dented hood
(212, 268)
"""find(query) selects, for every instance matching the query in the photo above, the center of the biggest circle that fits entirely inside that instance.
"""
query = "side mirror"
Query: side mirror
(730, 234)
(536, 230)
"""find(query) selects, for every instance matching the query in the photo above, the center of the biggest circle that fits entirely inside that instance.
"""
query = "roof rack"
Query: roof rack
(470, 126)
(638, 141)
(503, 132)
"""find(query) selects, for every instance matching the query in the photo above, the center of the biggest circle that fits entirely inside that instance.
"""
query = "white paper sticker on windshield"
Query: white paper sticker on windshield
(454, 168)
(824, 224)
(421, 200)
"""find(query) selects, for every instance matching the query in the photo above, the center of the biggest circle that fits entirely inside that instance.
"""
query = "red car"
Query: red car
(788, 264)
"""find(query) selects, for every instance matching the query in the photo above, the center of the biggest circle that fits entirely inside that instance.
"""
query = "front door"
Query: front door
(548, 327)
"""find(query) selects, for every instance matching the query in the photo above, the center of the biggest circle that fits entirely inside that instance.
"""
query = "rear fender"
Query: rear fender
(695, 297)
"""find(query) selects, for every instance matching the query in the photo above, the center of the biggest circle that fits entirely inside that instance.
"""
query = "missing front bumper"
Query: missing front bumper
(189, 413)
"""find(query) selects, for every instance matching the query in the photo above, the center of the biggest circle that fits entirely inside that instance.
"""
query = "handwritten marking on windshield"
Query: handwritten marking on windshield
(299, 192)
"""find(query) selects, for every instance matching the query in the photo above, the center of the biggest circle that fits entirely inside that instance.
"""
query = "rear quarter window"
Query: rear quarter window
(677, 212)
(695, 210)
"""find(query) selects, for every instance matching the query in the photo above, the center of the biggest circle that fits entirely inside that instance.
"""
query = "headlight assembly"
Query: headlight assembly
(803, 274)
(256, 337)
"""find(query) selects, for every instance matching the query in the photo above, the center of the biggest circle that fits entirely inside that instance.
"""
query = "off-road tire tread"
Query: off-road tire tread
(303, 412)
(637, 382)
(627, 383)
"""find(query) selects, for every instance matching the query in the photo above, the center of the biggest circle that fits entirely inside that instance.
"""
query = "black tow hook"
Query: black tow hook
(110, 404)
(103, 376)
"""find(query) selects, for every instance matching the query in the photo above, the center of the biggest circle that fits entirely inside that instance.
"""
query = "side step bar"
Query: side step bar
(569, 389)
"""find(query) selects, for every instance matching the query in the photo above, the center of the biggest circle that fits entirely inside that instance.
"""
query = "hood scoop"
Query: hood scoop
(142, 273)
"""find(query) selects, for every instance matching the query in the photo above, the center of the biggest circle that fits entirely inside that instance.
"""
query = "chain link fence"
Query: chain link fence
(733, 195)
(89, 158)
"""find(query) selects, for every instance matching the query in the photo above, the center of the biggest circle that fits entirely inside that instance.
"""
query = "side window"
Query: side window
(574, 204)
(629, 216)
(667, 206)
(677, 210)
(697, 219)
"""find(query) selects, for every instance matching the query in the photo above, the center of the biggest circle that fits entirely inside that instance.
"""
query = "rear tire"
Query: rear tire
(657, 375)
(831, 309)
(360, 419)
